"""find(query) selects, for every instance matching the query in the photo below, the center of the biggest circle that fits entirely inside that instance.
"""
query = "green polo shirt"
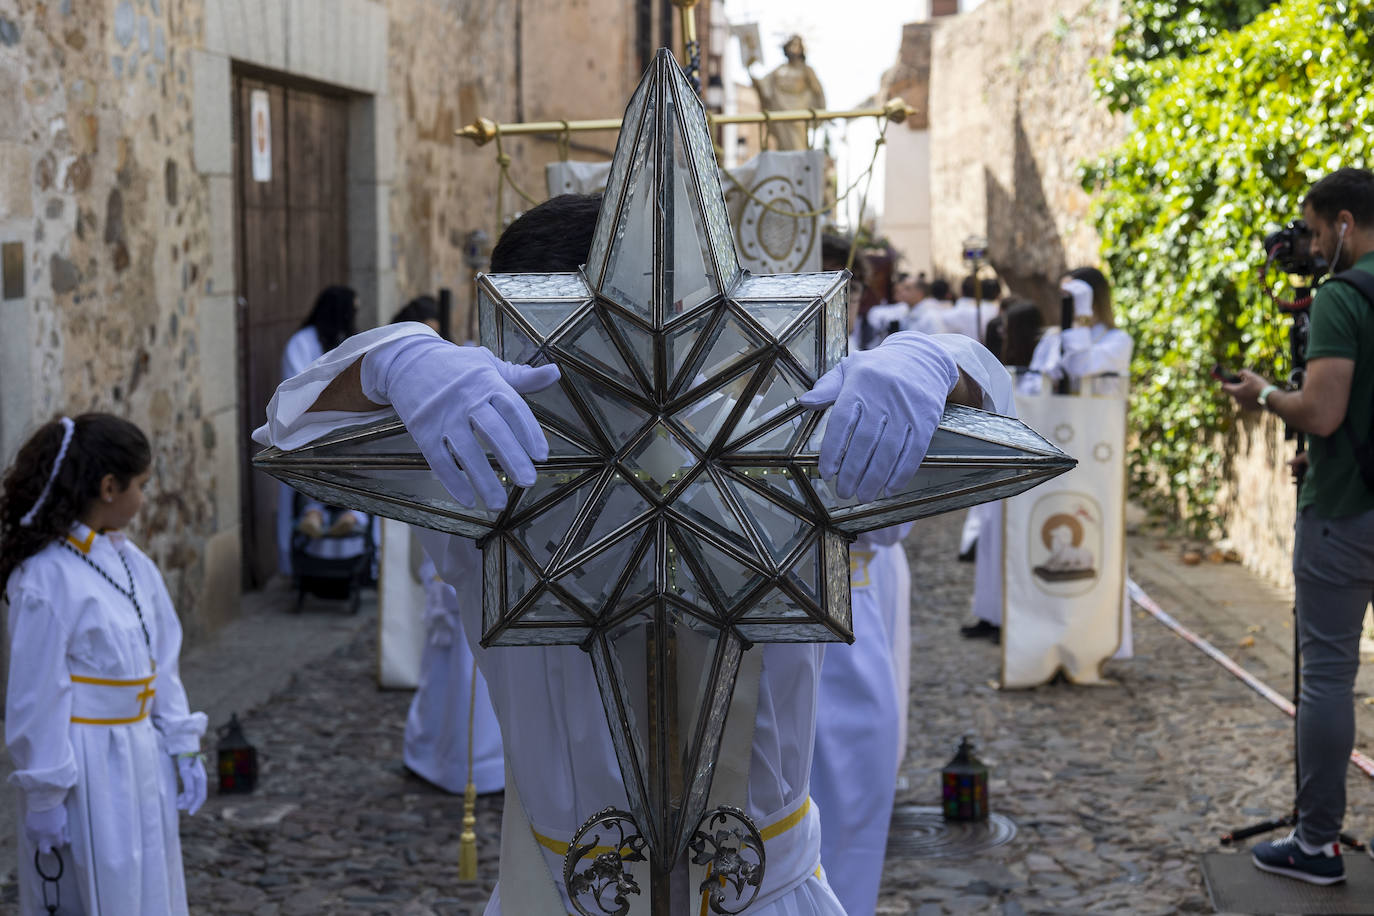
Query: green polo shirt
(1343, 327)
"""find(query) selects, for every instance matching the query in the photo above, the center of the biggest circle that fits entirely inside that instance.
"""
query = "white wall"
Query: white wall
(906, 196)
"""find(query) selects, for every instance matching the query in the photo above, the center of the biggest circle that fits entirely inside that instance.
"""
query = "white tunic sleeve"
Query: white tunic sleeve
(181, 728)
(288, 423)
(1084, 356)
(38, 702)
(978, 363)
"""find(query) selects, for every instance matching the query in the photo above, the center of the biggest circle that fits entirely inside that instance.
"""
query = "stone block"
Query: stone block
(379, 296)
(369, 226)
(210, 114)
(216, 318)
(219, 272)
(221, 591)
(16, 375)
(16, 181)
(305, 49)
(371, 139)
(226, 467)
(11, 99)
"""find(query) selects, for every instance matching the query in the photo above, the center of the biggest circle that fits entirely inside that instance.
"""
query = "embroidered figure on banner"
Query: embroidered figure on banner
(1066, 533)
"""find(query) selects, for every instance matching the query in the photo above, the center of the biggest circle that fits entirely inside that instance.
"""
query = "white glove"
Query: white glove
(47, 829)
(1082, 295)
(191, 769)
(447, 395)
(888, 401)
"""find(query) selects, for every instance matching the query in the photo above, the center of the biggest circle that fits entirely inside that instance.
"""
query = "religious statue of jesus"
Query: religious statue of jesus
(794, 85)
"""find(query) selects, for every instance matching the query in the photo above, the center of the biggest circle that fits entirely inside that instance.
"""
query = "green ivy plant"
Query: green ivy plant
(1235, 108)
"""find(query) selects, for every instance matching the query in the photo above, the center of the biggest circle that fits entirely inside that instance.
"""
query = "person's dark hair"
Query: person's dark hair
(1102, 294)
(967, 288)
(939, 289)
(553, 237)
(1021, 327)
(101, 444)
(1344, 189)
(421, 308)
(990, 289)
(334, 316)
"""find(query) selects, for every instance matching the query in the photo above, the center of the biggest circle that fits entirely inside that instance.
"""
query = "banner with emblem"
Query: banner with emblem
(771, 201)
(400, 607)
(1064, 556)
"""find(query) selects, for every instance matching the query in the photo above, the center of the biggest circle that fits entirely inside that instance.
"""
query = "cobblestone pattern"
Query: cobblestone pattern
(349, 831)
(1116, 790)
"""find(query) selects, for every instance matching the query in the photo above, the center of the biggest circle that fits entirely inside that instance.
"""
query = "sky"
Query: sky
(849, 43)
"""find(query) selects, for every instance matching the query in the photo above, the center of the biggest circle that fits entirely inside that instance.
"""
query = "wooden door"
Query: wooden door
(292, 242)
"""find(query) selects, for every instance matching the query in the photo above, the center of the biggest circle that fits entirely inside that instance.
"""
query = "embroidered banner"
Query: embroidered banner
(1064, 556)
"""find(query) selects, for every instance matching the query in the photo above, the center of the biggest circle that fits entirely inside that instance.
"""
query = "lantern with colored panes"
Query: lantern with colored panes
(238, 760)
(964, 781)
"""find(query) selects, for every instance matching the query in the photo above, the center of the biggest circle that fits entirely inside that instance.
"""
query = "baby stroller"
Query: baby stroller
(331, 565)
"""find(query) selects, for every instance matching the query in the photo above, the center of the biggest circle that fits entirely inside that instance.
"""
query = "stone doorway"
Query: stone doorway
(292, 241)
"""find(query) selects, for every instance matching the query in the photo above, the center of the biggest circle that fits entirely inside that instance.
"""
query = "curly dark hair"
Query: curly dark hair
(101, 444)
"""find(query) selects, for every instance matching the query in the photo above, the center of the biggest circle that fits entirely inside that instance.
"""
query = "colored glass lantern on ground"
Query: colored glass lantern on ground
(964, 784)
(237, 760)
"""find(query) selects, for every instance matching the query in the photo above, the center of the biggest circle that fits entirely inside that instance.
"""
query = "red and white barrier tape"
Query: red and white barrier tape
(1221, 658)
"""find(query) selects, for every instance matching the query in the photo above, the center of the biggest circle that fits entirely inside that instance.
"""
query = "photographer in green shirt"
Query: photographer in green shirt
(1333, 552)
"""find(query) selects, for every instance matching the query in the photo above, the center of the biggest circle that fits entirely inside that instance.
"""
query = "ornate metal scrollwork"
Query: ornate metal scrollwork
(733, 856)
(604, 872)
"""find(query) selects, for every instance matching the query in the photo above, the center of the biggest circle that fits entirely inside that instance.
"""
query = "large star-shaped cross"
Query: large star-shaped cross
(680, 516)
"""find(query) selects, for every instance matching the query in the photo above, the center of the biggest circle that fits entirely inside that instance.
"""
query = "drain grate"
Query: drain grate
(921, 832)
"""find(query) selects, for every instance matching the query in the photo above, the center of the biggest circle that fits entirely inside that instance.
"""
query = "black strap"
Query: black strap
(1363, 283)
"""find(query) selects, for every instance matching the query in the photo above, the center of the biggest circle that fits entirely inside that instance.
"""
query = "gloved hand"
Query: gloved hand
(1082, 295)
(191, 769)
(449, 395)
(887, 403)
(47, 829)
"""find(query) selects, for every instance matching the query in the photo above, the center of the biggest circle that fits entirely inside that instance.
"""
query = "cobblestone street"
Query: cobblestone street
(1115, 790)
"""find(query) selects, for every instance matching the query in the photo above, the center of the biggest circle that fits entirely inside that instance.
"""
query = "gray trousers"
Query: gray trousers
(1333, 565)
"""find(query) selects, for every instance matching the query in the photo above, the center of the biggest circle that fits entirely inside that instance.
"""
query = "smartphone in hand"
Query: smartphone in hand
(1222, 374)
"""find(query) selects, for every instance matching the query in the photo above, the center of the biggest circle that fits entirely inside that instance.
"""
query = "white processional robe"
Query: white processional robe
(436, 737)
(91, 726)
(558, 746)
(302, 349)
(854, 768)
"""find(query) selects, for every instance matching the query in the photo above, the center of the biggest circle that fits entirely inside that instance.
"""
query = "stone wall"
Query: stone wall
(115, 176)
(103, 196)
(1011, 118)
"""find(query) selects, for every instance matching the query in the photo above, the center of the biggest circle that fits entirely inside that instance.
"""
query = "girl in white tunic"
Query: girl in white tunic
(96, 718)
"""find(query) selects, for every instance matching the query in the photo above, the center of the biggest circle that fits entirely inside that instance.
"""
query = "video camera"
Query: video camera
(1291, 247)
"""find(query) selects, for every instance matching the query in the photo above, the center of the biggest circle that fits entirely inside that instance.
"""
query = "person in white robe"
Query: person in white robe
(561, 765)
(865, 687)
(1092, 353)
(332, 318)
(96, 718)
(437, 725)
(972, 312)
(858, 716)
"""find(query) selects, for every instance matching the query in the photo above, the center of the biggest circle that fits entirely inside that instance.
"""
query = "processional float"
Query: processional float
(680, 517)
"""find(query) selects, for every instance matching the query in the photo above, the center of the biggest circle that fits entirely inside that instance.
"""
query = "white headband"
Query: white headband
(68, 428)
